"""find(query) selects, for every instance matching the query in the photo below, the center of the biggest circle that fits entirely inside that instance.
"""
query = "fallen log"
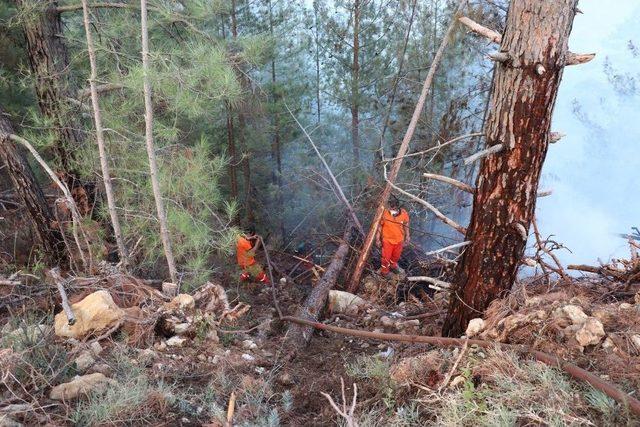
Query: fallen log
(554, 361)
(298, 336)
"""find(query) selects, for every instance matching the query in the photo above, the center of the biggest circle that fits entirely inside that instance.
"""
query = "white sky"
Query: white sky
(596, 175)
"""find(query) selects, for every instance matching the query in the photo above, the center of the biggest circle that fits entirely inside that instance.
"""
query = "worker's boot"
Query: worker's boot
(245, 277)
(395, 270)
(262, 278)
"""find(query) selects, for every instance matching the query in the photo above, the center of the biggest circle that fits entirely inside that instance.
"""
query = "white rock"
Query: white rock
(95, 312)
(248, 357)
(575, 314)
(249, 345)
(608, 343)
(176, 341)
(160, 346)
(475, 327)
(590, 333)
(625, 306)
(83, 385)
(342, 302)
(84, 361)
(635, 339)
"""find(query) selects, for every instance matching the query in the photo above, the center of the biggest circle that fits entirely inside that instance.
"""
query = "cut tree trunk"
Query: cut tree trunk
(397, 163)
(519, 118)
(153, 164)
(298, 336)
(30, 193)
(104, 163)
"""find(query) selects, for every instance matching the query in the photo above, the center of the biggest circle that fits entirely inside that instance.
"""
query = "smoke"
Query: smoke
(595, 170)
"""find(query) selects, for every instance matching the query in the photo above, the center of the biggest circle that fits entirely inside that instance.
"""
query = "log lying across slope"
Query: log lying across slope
(298, 336)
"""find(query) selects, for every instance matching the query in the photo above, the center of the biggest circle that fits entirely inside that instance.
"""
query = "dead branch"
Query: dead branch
(483, 153)
(75, 215)
(495, 37)
(448, 248)
(438, 146)
(57, 279)
(554, 361)
(458, 184)
(344, 413)
(432, 280)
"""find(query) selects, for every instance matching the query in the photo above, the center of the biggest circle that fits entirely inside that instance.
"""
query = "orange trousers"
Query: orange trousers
(390, 256)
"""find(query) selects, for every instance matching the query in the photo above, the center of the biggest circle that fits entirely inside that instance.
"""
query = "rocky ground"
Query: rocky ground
(140, 355)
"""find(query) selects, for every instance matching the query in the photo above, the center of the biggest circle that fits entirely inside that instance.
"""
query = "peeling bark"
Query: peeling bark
(519, 118)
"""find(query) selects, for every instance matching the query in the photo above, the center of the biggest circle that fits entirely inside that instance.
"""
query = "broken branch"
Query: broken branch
(495, 37)
(484, 153)
(458, 184)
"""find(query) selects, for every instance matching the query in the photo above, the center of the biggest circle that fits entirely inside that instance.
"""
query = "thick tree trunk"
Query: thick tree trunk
(521, 106)
(30, 193)
(298, 336)
(49, 61)
(104, 163)
(153, 164)
(355, 84)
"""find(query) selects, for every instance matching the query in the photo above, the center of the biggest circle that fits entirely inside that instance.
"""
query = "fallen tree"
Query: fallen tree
(298, 335)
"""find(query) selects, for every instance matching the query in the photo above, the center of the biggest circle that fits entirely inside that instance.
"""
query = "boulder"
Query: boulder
(169, 289)
(345, 302)
(590, 333)
(387, 322)
(95, 312)
(636, 298)
(635, 339)
(475, 327)
(625, 306)
(82, 386)
(249, 345)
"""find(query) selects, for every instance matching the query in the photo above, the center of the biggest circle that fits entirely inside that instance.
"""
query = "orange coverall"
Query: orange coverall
(393, 236)
(246, 253)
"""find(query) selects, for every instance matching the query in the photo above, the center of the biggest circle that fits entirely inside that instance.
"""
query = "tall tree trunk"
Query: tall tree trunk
(521, 106)
(397, 163)
(276, 150)
(355, 84)
(317, 43)
(30, 193)
(104, 163)
(246, 155)
(49, 60)
(153, 165)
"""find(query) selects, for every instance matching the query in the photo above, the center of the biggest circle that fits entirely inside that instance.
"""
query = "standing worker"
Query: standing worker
(392, 234)
(247, 245)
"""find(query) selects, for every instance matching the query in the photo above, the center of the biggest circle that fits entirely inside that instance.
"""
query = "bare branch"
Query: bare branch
(448, 248)
(488, 33)
(555, 137)
(458, 184)
(495, 37)
(579, 58)
(484, 153)
(432, 280)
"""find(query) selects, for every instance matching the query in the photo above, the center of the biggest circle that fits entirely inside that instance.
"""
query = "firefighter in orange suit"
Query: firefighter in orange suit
(247, 245)
(392, 234)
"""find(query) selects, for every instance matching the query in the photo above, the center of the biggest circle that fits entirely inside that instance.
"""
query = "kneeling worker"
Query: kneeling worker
(392, 234)
(247, 245)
